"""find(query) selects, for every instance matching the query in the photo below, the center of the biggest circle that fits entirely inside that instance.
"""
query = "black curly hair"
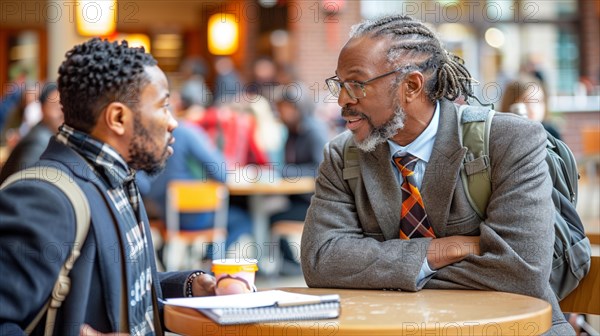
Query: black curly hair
(97, 73)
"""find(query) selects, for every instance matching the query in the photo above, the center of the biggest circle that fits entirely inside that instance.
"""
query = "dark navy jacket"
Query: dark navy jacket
(37, 229)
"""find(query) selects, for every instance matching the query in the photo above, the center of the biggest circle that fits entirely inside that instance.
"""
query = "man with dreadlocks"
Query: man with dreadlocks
(400, 218)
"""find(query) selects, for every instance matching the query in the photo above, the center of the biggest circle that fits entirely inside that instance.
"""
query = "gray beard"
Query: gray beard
(384, 132)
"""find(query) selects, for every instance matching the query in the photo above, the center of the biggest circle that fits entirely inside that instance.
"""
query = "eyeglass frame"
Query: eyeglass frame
(361, 83)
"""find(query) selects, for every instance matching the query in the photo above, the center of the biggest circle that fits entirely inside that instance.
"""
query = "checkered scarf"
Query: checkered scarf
(119, 179)
(107, 162)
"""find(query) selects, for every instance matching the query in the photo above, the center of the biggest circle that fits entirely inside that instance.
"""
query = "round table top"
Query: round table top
(280, 186)
(376, 312)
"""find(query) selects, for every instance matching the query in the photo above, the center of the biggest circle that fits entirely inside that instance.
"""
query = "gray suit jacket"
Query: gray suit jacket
(351, 241)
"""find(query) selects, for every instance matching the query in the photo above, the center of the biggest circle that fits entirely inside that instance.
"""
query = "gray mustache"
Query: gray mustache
(350, 112)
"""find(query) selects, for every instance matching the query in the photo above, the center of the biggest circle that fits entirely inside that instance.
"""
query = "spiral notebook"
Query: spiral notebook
(267, 306)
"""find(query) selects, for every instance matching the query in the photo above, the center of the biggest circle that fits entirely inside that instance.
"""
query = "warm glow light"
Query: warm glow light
(223, 34)
(96, 18)
(136, 40)
(494, 37)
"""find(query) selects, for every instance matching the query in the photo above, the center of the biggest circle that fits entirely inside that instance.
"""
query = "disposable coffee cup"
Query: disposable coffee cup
(234, 276)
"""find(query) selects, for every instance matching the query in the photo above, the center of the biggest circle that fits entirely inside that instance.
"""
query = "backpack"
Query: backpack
(76, 196)
(572, 251)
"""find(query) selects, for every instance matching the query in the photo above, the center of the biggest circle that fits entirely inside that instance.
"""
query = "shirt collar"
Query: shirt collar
(422, 146)
(104, 157)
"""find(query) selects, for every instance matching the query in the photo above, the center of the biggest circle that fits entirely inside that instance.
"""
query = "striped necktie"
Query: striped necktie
(413, 218)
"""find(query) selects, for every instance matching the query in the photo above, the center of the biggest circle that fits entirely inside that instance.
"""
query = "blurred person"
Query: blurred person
(303, 151)
(264, 78)
(28, 150)
(192, 100)
(12, 100)
(231, 127)
(532, 67)
(32, 114)
(28, 111)
(526, 97)
(117, 121)
(269, 133)
(194, 158)
(387, 223)
(228, 83)
(286, 75)
(306, 134)
(194, 72)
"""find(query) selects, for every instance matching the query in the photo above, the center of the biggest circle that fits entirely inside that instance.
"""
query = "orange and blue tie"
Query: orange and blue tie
(413, 218)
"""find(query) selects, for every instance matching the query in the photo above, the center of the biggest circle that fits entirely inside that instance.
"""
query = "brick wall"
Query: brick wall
(317, 37)
(589, 47)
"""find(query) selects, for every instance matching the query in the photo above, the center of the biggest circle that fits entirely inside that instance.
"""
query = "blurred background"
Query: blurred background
(230, 51)
(555, 40)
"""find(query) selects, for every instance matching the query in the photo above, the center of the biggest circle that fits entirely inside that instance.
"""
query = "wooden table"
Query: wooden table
(281, 186)
(257, 193)
(373, 312)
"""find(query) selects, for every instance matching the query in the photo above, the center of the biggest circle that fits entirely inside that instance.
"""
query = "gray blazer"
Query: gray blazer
(351, 241)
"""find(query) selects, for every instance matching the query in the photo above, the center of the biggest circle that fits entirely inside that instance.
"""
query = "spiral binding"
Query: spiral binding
(228, 316)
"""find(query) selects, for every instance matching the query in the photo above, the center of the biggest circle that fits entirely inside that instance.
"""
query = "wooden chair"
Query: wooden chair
(585, 298)
(289, 229)
(193, 196)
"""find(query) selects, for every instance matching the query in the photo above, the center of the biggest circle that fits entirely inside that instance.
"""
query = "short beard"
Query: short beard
(141, 159)
(140, 156)
(384, 132)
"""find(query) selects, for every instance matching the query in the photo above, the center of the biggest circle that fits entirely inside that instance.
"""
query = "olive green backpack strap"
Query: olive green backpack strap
(351, 164)
(78, 200)
(474, 124)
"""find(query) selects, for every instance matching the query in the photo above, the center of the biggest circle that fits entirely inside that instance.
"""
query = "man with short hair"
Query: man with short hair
(28, 150)
(407, 223)
(115, 101)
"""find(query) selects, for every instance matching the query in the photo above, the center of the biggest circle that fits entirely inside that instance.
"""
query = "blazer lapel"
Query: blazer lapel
(443, 169)
(383, 193)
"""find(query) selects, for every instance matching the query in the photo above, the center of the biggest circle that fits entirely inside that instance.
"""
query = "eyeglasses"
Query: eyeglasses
(355, 89)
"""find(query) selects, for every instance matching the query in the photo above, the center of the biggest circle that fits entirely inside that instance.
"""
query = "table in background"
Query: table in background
(258, 193)
(375, 312)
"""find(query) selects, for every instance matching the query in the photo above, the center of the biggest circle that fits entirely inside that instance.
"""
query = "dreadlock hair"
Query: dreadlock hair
(97, 73)
(446, 75)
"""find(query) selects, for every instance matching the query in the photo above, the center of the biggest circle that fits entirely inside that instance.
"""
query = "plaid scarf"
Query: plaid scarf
(107, 162)
(123, 192)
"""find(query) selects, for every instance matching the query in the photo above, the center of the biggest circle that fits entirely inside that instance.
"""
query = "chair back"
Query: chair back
(195, 196)
(585, 298)
(590, 137)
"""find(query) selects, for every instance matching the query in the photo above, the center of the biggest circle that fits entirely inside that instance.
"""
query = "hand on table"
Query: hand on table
(204, 285)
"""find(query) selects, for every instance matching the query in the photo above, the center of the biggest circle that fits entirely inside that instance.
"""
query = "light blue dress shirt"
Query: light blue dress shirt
(421, 147)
